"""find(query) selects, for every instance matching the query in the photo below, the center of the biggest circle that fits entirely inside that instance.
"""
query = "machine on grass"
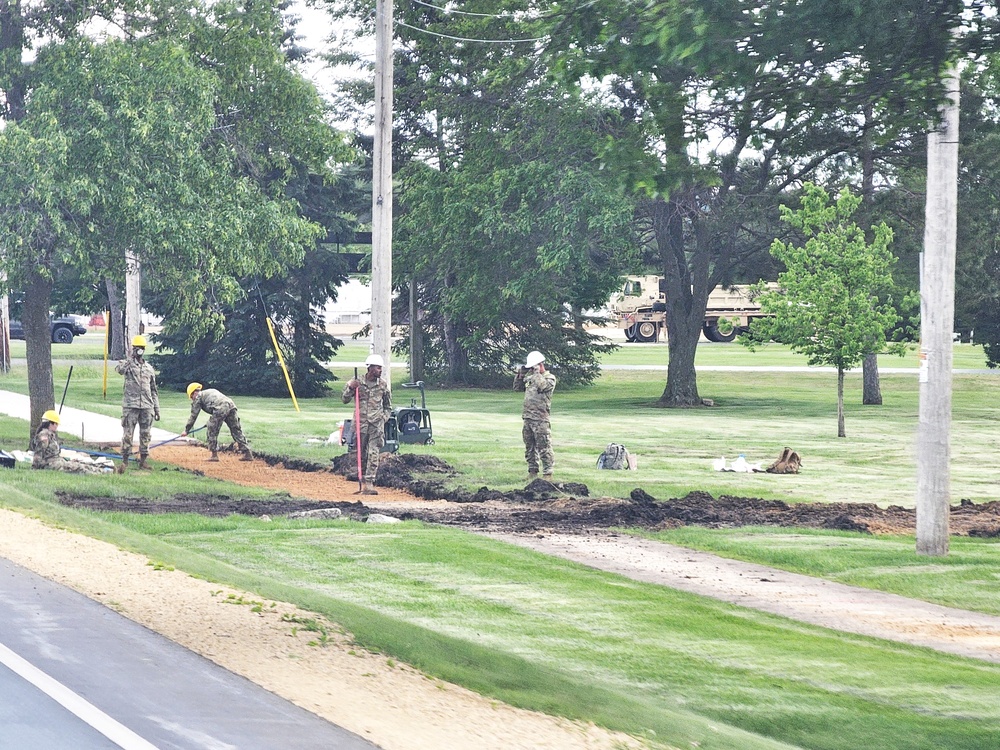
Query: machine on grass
(406, 424)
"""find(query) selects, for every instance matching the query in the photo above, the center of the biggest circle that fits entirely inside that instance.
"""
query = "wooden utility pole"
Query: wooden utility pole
(937, 318)
(4, 332)
(133, 298)
(382, 188)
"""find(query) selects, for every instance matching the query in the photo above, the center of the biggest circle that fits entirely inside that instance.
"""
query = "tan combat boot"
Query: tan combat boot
(142, 463)
(247, 455)
(213, 457)
(120, 469)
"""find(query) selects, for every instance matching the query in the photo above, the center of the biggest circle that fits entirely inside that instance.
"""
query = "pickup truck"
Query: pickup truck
(63, 330)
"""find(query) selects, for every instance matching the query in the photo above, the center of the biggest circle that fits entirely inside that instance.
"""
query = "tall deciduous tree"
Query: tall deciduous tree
(831, 303)
(738, 104)
(512, 242)
(167, 143)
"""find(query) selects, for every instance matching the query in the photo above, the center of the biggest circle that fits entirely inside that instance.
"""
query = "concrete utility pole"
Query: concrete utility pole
(937, 318)
(382, 188)
(133, 297)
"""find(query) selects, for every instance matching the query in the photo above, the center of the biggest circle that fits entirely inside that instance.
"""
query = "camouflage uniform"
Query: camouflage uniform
(220, 408)
(375, 405)
(537, 432)
(46, 455)
(140, 405)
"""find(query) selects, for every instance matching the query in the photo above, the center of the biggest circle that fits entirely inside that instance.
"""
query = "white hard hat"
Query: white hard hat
(534, 358)
(374, 359)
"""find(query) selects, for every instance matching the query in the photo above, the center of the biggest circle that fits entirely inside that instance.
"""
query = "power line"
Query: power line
(462, 12)
(467, 39)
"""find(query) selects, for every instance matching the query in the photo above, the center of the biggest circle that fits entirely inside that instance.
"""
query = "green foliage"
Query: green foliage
(513, 242)
(735, 107)
(829, 304)
(242, 360)
(505, 221)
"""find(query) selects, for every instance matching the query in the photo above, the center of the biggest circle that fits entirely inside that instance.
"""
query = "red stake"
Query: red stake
(357, 432)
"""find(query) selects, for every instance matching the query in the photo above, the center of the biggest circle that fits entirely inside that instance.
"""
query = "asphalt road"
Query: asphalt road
(76, 675)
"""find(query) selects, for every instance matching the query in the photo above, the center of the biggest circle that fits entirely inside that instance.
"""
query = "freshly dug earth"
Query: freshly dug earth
(406, 491)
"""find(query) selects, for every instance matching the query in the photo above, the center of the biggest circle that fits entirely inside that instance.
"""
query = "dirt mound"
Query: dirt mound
(216, 506)
(406, 479)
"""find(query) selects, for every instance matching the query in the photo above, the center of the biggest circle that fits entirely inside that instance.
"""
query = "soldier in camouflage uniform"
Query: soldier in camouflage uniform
(46, 451)
(375, 405)
(140, 401)
(220, 408)
(538, 386)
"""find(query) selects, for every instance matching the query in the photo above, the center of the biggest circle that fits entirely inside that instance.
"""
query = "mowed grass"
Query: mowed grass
(551, 635)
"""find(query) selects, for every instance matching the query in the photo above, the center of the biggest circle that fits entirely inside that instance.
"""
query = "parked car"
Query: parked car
(63, 329)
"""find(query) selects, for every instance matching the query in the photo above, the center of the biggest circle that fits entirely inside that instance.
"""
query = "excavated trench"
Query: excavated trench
(407, 481)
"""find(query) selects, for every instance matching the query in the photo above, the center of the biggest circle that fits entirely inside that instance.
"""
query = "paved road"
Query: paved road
(76, 675)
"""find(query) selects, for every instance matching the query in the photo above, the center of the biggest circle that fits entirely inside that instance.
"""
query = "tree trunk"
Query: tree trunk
(687, 297)
(682, 345)
(38, 347)
(872, 395)
(458, 359)
(416, 336)
(841, 432)
(115, 321)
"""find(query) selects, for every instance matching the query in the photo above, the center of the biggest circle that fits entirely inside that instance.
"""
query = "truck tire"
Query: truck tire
(712, 332)
(630, 334)
(646, 331)
(62, 335)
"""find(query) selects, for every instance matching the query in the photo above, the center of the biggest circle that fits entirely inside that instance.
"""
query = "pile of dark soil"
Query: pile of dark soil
(539, 507)
(641, 510)
(216, 506)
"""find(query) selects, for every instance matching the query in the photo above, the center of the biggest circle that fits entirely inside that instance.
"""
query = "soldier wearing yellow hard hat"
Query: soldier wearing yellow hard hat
(140, 401)
(220, 409)
(46, 452)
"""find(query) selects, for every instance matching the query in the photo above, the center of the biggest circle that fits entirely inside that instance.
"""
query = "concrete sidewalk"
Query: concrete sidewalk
(89, 427)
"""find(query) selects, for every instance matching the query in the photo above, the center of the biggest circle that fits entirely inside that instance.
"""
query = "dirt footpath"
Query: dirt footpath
(824, 603)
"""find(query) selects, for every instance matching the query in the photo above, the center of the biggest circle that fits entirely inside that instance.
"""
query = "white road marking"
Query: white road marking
(122, 736)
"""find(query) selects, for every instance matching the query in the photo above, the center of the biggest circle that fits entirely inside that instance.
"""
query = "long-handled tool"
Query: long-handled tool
(66, 388)
(357, 429)
(177, 437)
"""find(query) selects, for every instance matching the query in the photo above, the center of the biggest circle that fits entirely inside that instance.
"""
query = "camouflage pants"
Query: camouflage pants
(71, 466)
(537, 435)
(231, 419)
(372, 440)
(132, 416)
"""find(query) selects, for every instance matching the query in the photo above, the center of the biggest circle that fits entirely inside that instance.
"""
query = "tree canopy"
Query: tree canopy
(739, 104)
(161, 142)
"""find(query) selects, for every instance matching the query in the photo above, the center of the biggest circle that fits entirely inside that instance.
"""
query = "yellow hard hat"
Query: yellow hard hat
(51, 416)
(193, 387)
(139, 341)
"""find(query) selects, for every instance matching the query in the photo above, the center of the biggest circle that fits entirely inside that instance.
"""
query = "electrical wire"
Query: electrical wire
(461, 12)
(467, 39)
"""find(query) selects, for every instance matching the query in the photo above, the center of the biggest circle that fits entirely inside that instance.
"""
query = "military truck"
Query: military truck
(641, 309)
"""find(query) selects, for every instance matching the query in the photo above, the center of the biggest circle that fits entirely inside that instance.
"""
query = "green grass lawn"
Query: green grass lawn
(551, 635)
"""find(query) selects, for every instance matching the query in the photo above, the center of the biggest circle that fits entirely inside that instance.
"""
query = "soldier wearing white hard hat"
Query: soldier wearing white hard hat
(538, 385)
(375, 405)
